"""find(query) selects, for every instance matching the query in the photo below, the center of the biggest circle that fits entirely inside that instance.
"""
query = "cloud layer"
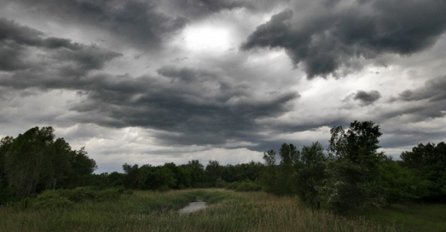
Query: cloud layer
(122, 79)
(336, 35)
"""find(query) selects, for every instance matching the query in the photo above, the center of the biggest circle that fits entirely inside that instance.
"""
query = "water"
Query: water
(193, 207)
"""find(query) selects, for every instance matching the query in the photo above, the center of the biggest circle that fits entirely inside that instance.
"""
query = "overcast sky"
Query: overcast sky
(174, 80)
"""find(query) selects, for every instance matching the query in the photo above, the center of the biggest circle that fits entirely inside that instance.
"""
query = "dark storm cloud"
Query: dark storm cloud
(199, 111)
(13, 38)
(13, 52)
(423, 103)
(137, 22)
(11, 31)
(200, 8)
(434, 90)
(367, 98)
(403, 137)
(195, 9)
(332, 38)
(193, 106)
(432, 97)
(185, 74)
(62, 57)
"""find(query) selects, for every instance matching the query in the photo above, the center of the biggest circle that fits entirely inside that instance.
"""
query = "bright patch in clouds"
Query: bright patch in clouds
(207, 38)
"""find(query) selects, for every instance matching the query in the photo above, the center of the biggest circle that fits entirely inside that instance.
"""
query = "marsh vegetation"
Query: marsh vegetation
(158, 211)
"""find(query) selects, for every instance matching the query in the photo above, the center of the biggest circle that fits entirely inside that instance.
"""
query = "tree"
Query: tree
(24, 160)
(311, 174)
(429, 162)
(214, 172)
(354, 171)
(82, 167)
(4, 190)
(195, 171)
(132, 173)
(280, 179)
(289, 163)
(399, 183)
(34, 161)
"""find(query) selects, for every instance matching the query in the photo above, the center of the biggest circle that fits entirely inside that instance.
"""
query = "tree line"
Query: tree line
(350, 174)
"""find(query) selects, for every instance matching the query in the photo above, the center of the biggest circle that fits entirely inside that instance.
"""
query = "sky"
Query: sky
(149, 82)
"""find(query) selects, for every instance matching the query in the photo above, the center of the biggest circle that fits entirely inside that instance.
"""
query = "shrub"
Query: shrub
(245, 186)
(88, 193)
(51, 199)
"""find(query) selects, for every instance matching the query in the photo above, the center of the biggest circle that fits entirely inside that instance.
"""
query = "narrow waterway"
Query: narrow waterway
(193, 207)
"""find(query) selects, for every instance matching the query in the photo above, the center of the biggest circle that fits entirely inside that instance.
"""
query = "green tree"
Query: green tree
(429, 162)
(214, 172)
(132, 175)
(196, 173)
(400, 184)
(354, 169)
(311, 174)
(25, 160)
(270, 173)
(35, 161)
(280, 178)
(289, 163)
(4, 190)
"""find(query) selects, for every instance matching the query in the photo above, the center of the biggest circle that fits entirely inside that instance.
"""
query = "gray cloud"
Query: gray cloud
(58, 57)
(193, 106)
(199, 111)
(200, 8)
(332, 38)
(422, 103)
(433, 91)
(136, 22)
(367, 98)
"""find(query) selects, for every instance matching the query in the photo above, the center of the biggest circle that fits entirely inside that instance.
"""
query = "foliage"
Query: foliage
(65, 198)
(192, 174)
(51, 199)
(311, 174)
(354, 169)
(429, 162)
(35, 161)
(280, 178)
(400, 184)
(245, 186)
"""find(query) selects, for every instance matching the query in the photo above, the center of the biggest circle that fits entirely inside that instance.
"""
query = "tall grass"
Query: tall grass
(156, 211)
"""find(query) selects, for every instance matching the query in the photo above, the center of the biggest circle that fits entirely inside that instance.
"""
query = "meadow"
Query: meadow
(158, 211)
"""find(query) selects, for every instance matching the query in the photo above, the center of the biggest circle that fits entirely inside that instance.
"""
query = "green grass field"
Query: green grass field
(412, 217)
(158, 211)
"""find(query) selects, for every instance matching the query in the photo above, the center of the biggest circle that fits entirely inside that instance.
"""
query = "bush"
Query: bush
(245, 186)
(94, 194)
(51, 199)
(63, 198)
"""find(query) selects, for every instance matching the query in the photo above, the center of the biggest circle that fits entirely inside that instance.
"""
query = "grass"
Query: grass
(157, 211)
(412, 217)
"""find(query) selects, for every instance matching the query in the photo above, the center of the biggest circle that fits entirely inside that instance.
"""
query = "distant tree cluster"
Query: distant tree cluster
(35, 161)
(190, 175)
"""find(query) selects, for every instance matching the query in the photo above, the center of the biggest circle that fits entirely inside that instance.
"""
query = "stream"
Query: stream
(193, 207)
